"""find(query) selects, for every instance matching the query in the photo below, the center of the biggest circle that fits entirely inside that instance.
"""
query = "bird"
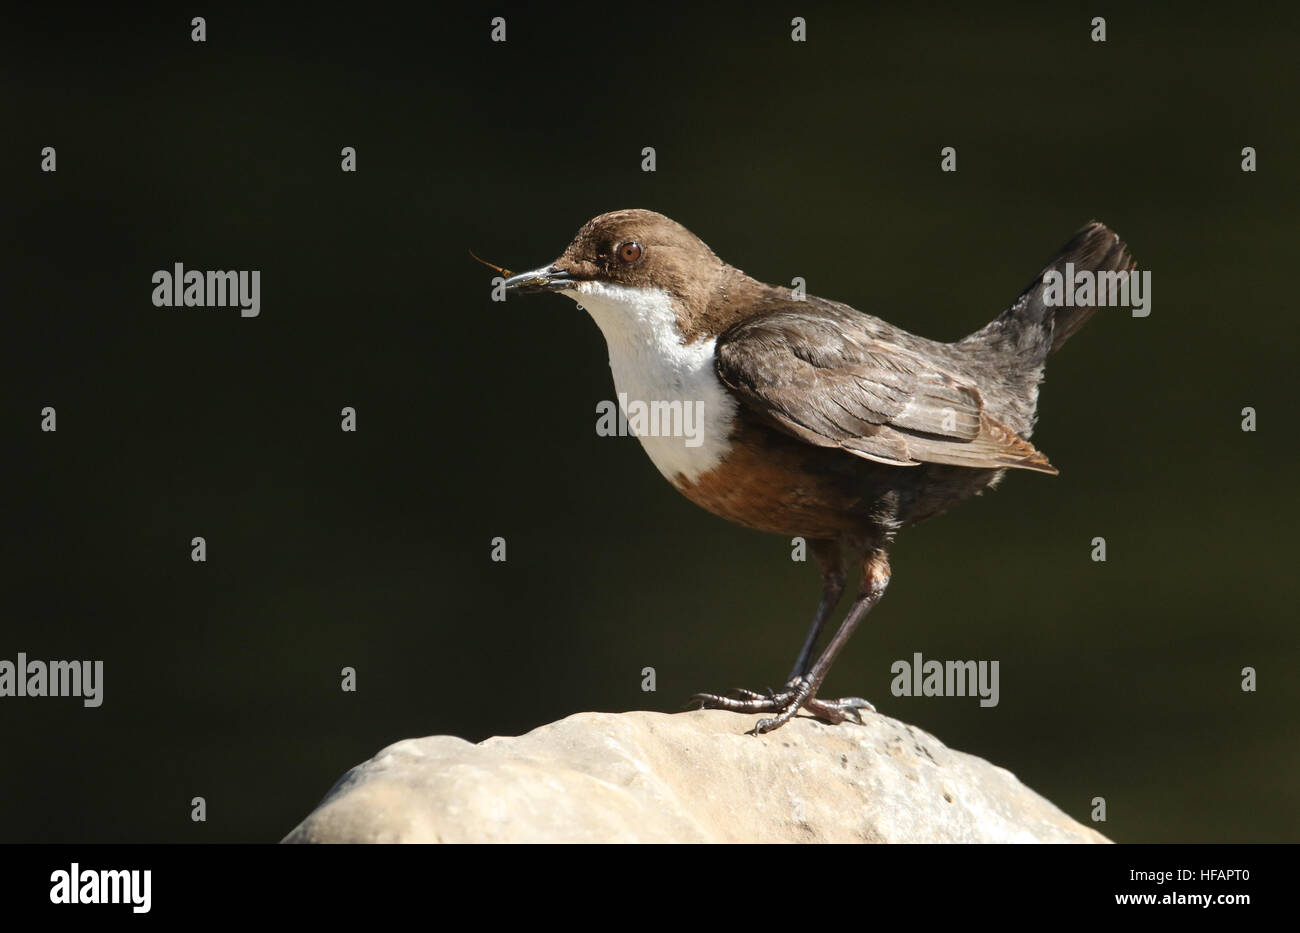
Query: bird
(817, 420)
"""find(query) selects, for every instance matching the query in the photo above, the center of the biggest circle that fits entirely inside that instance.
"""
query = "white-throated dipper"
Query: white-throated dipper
(819, 421)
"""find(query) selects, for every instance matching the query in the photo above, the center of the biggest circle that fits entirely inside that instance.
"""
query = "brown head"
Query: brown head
(643, 250)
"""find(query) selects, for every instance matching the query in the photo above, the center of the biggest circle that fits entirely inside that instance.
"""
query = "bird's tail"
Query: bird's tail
(1037, 323)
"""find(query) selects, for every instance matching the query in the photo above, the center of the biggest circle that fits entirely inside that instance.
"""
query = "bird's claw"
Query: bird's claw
(786, 703)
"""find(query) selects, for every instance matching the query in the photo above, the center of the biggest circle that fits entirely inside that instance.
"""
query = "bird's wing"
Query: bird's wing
(819, 378)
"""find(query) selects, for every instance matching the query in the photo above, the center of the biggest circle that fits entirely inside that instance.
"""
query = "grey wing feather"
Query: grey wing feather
(819, 376)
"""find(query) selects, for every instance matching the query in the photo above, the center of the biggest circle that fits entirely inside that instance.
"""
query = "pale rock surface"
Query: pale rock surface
(687, 777)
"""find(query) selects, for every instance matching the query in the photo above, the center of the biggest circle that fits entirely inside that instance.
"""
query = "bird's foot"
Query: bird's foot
(797, 695)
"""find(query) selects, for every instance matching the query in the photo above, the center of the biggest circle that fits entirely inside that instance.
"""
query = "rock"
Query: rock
(688, 777)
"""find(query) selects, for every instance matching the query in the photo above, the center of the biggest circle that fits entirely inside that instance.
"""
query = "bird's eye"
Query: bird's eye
(629, 252)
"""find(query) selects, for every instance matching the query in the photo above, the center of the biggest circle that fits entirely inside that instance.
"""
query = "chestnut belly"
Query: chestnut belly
(773, 482)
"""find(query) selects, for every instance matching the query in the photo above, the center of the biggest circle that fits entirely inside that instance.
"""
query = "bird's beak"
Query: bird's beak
(546, 279)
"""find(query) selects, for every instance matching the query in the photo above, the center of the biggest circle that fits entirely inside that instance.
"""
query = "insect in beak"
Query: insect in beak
(506, 272)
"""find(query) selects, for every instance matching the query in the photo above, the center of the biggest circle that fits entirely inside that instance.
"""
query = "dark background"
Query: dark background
(1118, 679)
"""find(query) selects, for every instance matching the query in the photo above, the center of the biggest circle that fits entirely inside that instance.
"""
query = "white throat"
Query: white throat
(652, 365)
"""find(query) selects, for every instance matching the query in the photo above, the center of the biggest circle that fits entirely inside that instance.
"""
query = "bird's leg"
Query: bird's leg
(801, 693)
(832, 568)
(831, 564)
(875, 578)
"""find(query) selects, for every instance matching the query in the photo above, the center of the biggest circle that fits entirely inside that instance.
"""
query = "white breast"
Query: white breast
(651, 364)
